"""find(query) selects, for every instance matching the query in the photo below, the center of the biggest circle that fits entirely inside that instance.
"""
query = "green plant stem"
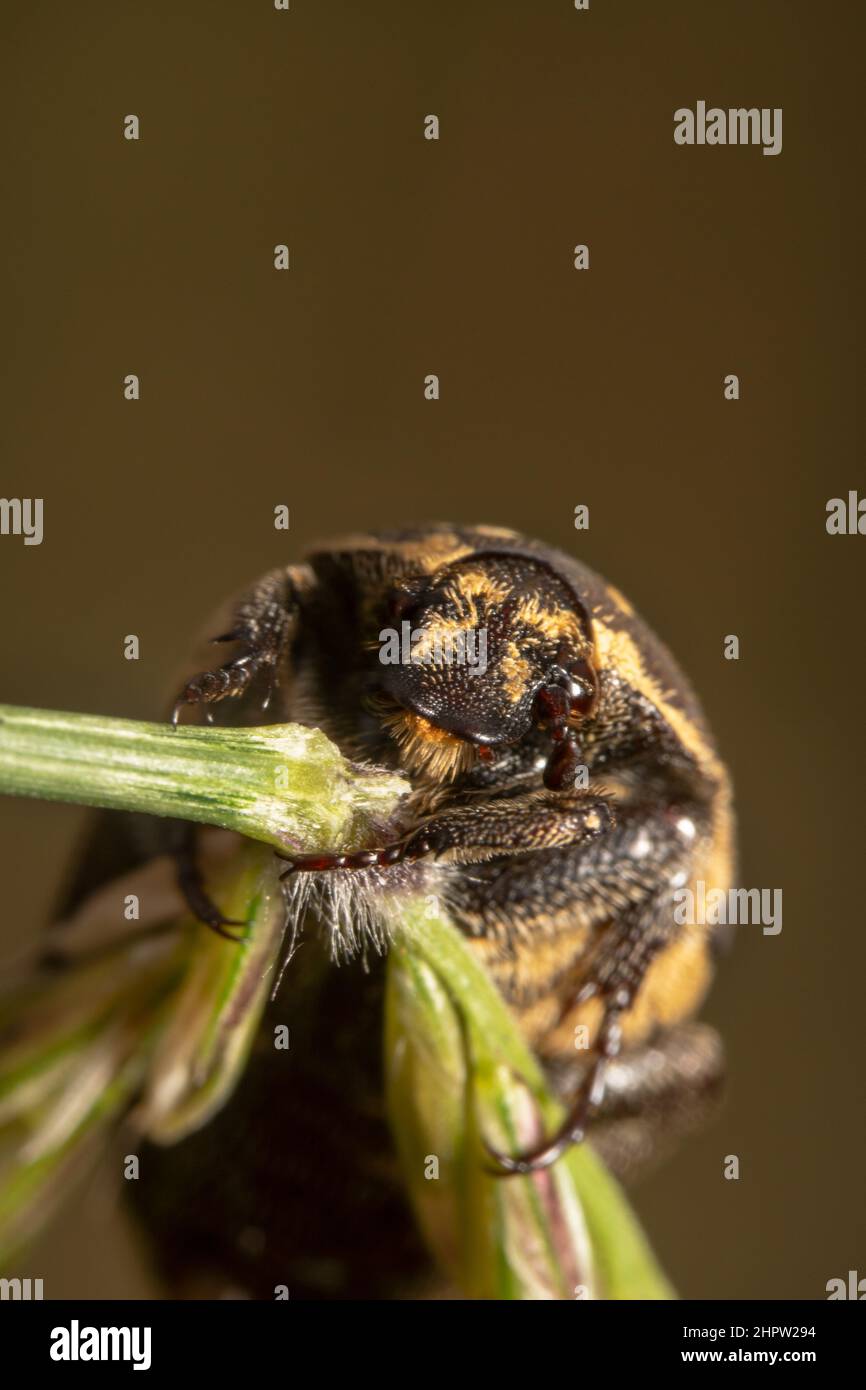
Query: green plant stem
(282, 784)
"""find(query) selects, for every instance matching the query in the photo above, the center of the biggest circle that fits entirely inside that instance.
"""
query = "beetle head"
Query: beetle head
(491, 647)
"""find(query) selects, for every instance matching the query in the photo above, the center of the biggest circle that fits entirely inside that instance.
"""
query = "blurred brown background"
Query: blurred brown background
(558, 387)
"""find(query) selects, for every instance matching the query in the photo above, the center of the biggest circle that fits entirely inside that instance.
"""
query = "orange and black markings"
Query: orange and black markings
(563, 789)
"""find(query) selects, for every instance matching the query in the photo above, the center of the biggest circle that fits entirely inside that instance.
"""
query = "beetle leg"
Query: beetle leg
(536, 820)
(616, 976)
(589, 1097)
(650, 1098)
(191, 884)
(264, 623)
(655, 1094)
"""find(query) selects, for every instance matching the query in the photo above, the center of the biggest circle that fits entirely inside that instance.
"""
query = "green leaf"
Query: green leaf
(459, 1074)
(202, 1052)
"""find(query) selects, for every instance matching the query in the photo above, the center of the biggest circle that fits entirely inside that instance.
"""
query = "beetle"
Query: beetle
(559, 797)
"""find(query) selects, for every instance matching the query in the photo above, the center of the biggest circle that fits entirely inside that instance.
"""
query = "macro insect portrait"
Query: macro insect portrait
(430, 691)
(558, 788)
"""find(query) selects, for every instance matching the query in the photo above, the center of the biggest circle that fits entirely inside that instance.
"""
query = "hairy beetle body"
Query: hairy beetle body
(560, 796)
